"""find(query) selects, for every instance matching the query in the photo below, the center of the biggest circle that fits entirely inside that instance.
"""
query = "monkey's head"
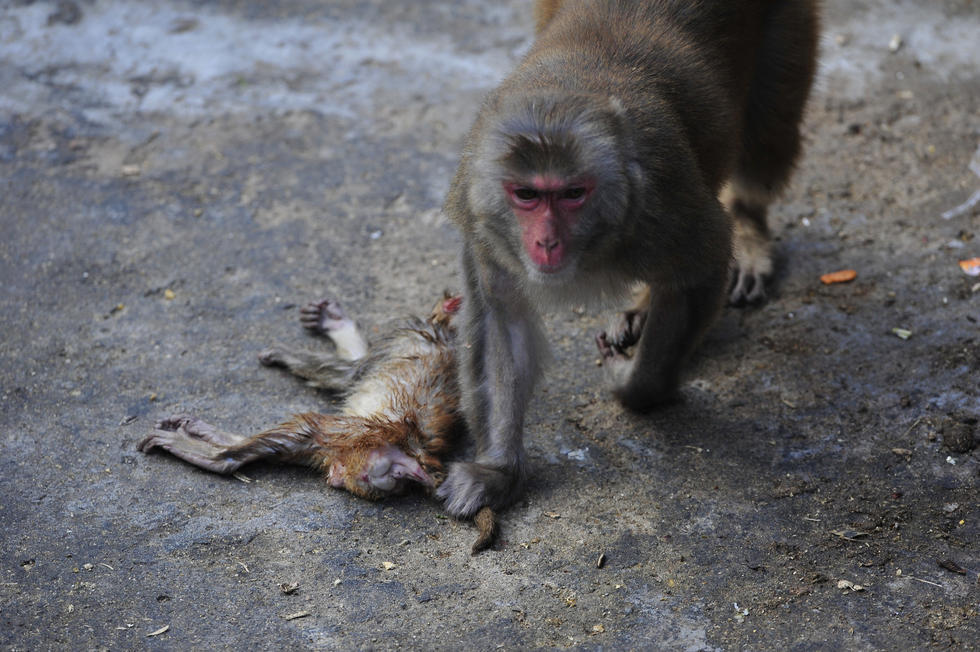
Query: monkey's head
(377, 472)
(551, 183)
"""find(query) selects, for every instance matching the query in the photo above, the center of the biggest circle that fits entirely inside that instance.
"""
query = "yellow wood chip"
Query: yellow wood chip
(842, 276)
(159, 631)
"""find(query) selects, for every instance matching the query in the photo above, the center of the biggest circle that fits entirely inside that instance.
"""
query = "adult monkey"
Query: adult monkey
(636, 142)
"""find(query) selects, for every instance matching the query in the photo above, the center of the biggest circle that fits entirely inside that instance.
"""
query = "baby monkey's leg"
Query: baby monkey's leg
(331, 370)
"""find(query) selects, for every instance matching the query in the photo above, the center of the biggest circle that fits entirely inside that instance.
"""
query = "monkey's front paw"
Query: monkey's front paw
(274, 357)
(609, 348)
(322, 317)
(470, 486)
(753, 266)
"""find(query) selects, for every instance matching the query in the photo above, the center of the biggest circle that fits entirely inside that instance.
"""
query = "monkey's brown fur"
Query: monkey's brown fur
(400, 414)
(638, 142)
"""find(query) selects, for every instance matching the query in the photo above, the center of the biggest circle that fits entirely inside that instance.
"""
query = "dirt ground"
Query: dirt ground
(177, 177)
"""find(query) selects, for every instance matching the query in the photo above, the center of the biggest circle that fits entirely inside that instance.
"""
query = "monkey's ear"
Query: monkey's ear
(335, 475)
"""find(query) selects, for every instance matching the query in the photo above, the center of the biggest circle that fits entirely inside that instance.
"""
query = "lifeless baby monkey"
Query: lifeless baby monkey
(400, 412)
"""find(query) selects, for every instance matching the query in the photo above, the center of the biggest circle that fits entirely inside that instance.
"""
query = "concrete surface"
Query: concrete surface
(176, 177)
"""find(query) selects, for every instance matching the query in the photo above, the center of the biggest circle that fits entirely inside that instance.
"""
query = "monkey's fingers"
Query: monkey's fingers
(629, 330)
(487, 527)
(608, 349)
(276, 356)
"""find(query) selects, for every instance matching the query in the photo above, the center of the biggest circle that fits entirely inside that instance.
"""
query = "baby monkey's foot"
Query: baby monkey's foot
(322, 317)
(328, 318)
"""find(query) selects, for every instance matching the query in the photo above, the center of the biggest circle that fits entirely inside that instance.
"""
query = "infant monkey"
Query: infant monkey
(400, 410)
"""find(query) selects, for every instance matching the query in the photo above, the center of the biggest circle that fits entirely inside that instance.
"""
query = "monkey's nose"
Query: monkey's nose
(547, 245)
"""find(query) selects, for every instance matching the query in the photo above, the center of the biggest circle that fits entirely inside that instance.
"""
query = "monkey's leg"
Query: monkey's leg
(770, 139)
(330, 370)
(203, 445)
(500, 354)
(674, 323)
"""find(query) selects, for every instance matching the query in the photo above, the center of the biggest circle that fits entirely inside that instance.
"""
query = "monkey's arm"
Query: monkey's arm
(500, 350)
(675, 311)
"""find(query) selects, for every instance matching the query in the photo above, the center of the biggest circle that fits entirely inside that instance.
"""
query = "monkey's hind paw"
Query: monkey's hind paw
(748, 287)
(191, 427)
(753, 266)
(322, 317)
(194, 441)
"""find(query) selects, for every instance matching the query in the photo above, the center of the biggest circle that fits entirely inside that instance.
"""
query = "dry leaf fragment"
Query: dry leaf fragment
(298, 614)
(131, 170)
(849, 535)
(951, 566)
(288, 587)
(902, 333)
(845, 585)
(598, 629)
(902, 451)
(387, 565)
(841, 276)
(971, 267)
(555, 515)
(159, 631)
(169, 294)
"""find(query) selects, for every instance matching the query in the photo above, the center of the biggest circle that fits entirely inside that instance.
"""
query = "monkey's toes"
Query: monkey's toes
(174, 422)
(323, 316)
(748, 288)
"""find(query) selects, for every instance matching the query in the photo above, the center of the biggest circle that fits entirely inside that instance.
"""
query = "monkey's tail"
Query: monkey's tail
(488, 528)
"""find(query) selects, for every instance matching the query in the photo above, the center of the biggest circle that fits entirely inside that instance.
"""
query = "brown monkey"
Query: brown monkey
(400, 414)
(631, 144)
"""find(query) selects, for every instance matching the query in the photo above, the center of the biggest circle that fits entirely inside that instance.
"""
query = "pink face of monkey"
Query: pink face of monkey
(547, 209)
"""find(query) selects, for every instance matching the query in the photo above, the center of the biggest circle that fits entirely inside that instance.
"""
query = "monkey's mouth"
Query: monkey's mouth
(549, 269)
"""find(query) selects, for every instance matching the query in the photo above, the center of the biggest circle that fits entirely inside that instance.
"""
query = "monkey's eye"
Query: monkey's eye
(526, 194)
(578, 192)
